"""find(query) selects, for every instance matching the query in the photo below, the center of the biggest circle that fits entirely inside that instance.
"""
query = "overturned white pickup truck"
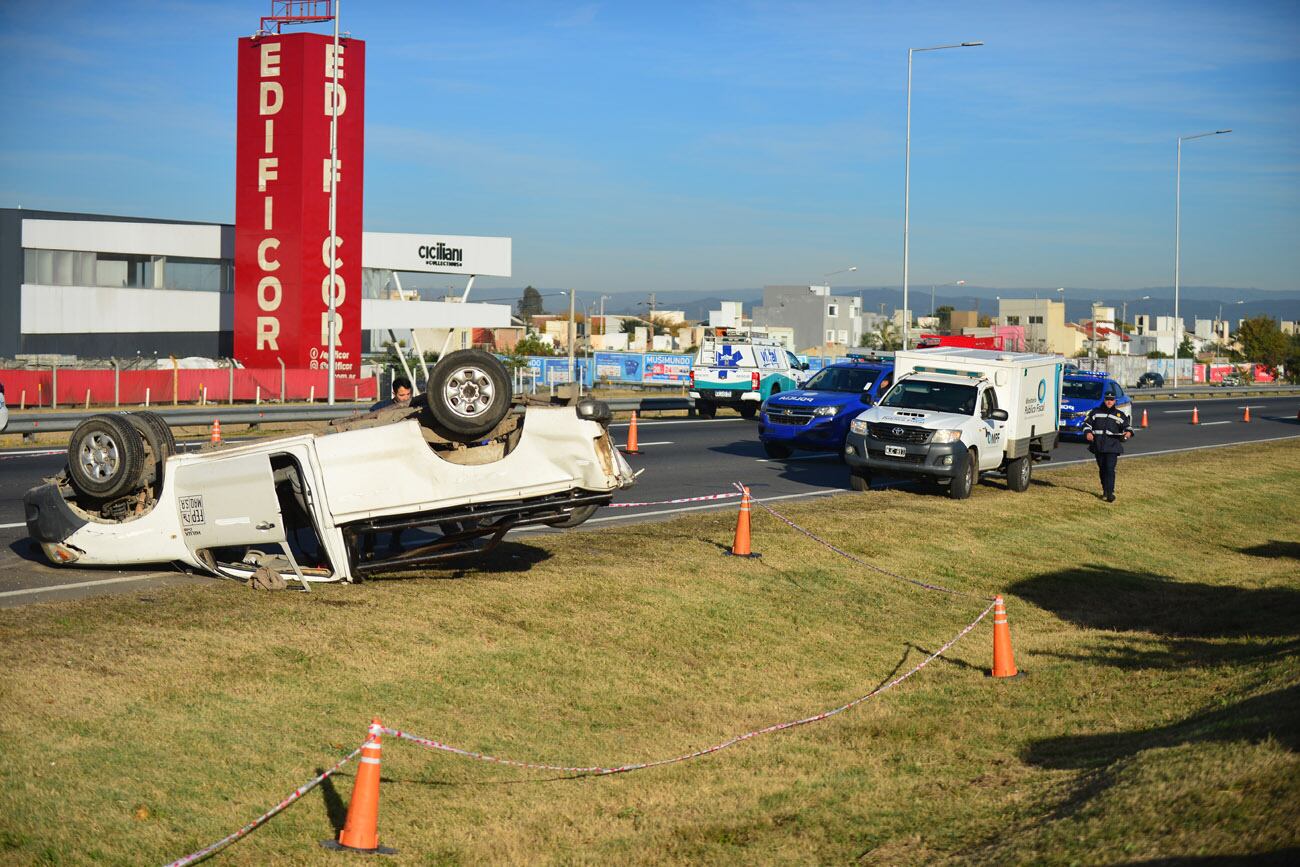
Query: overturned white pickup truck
(456, 468)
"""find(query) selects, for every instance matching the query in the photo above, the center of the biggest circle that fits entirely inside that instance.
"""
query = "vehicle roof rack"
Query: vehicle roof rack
(869, 355)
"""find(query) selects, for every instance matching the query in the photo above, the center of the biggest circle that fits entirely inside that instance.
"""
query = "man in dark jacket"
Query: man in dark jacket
(1106, 428)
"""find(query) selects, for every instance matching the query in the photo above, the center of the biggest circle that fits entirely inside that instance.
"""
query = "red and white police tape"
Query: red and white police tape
(297, 793)
(811, 535)
(700, 499)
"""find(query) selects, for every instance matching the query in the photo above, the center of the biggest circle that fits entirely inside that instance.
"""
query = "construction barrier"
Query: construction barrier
(160, 387)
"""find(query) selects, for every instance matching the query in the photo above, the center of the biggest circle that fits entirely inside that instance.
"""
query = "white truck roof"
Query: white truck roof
(928, 358)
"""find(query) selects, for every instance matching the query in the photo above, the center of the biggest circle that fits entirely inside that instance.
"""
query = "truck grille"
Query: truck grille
(898, 433)
(789, 415)
(879, 455)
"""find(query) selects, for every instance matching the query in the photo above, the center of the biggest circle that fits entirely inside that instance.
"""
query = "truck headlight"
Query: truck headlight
(946, 436)
(824, 410)
(858, 426)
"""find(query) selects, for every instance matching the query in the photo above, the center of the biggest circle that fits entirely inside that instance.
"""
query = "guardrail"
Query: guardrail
(1262, 388)
(61, 422)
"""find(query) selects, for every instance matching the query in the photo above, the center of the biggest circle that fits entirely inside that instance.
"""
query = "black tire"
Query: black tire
(965, 483)
(859, 480)
(706, 409)
(747, 410)
(468, 394)
(1018, 472)
(105, 457)
(574, 518)
(158, 436)
(776, 450)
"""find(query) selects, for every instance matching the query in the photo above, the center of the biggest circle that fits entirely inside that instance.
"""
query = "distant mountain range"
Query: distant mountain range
(1195, 302)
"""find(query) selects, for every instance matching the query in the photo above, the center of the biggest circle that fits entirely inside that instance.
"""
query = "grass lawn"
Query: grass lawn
(1160, 717)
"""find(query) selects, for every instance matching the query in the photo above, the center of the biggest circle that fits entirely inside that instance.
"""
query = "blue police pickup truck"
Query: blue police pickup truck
(1080, 392)
(817, 416)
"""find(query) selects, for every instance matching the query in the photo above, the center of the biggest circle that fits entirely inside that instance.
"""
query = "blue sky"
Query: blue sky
(713, 146)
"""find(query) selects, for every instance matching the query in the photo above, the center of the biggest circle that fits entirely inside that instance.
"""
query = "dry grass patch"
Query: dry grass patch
(1159, 717)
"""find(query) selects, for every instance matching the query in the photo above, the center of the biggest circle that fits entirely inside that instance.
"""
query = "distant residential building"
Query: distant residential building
(1288, 326)
(1042, 319)
(963, 319)
(817, 317)
(731, 314)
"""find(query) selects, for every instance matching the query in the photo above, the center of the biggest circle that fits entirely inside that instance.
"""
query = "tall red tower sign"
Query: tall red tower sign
(282, 200)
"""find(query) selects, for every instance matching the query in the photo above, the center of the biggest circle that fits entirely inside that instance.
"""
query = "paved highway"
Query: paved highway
(681, 458)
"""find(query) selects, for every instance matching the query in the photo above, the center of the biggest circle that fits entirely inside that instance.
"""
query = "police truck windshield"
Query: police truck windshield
(842, 379)
(932, 397)
(1081, 390)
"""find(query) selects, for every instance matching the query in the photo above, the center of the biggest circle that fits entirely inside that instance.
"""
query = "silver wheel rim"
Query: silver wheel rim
(99, 457)
(469, 392)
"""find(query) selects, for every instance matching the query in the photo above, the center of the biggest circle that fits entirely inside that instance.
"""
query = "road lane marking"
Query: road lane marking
(662, 443)
(1208, 423)
(796, 458)
(643, 423)
(57, 587)
(11, 526)
(29, 453)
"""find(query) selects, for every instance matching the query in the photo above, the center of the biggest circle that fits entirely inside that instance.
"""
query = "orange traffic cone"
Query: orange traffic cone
(631, 447)
(740, 545)
(216, 431)
(1246, 415)
(1144, 418)
(361, 830)
(1196, 416)
(1004, 661)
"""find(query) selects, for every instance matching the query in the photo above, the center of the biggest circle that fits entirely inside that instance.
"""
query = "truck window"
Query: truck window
(1074, 389)
(841, 379)
(988, 403)
(932, 397)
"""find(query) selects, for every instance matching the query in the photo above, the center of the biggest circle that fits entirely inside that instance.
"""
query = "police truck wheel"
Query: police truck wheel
(706, 409)
(468, 394)
(965, 483)
(105, 457)
(776, 450)
(748, 410)
(1018, 472)
(859, 480)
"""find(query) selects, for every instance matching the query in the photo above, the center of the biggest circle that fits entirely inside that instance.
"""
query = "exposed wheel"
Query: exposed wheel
(1018, 472)
(776, 450)
(468, 394)
(859, 480)
(748, 410)
(105, 457)
(706, 409)
(574, 518)
(965, 483)
(158, 436)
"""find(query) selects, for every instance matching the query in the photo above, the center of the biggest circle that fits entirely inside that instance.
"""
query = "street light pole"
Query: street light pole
(907, 176)
(573, 332)
(1178, 237)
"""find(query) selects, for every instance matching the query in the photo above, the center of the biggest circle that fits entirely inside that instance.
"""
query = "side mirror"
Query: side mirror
(803, 365)
(999, 415)
(867, 399)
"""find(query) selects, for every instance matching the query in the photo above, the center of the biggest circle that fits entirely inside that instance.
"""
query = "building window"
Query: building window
(1035, 320)
(830, 335)
(844, 337)
(832, 310)
(1013, 320)
(121, 271)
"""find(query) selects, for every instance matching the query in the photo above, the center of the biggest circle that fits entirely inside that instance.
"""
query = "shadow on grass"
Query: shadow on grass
(1279, 857)
(1100, 597)
(507, 558)
(335, 810)
(1274, 549)
(1273, 714)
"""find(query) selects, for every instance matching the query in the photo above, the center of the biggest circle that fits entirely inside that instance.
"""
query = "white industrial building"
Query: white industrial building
(97, 286)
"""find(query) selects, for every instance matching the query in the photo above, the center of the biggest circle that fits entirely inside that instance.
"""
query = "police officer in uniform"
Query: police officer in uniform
(1105, 429)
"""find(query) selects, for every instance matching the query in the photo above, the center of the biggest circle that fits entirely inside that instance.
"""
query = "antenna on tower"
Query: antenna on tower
(286, 13)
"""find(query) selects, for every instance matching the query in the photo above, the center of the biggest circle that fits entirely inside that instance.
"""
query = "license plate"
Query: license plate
(722, 394)
(895, 452)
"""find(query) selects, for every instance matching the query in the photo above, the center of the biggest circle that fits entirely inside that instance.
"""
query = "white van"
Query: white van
(737, 369)
(954, 413)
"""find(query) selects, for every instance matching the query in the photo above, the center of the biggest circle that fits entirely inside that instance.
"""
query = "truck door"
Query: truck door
(994, 432)
(229, 502)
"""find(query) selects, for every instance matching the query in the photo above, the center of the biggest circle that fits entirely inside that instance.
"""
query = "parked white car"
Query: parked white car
(324, 499)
